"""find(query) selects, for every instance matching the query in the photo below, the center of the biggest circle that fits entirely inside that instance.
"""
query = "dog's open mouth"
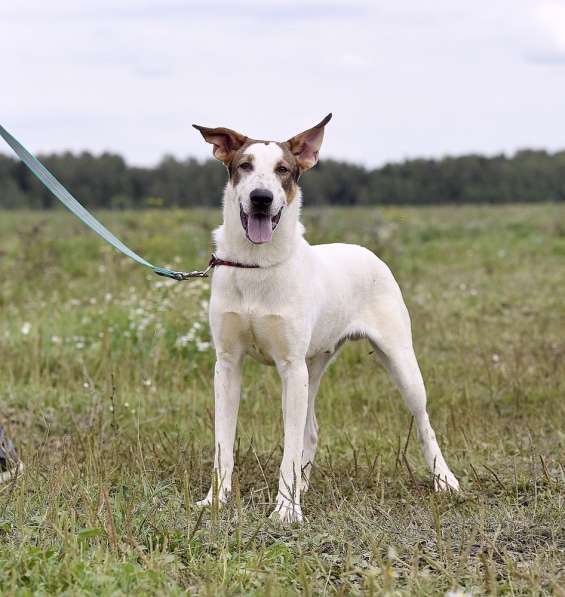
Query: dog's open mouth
(259, 227)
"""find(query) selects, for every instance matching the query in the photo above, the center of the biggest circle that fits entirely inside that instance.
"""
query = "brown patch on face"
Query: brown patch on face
(289, 179)
(240, 156)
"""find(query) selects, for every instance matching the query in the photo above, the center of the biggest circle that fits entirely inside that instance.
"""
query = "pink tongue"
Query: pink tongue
(259, 229)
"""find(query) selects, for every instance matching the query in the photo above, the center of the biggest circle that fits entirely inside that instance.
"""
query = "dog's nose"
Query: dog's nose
(261, 199)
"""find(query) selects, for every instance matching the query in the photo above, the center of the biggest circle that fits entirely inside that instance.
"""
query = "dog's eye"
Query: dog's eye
(246, 166)
(281, 170)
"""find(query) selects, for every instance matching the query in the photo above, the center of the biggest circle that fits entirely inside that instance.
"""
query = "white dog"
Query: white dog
(292, 305)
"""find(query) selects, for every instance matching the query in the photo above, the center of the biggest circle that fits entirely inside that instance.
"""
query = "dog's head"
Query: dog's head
(264, 174)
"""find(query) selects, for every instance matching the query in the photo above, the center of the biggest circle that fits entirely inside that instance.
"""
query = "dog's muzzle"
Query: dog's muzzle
(258, 225)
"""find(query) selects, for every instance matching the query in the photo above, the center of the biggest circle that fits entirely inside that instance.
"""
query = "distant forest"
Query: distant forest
(106, 181)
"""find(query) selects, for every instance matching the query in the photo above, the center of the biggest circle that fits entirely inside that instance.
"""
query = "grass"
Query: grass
(105, 386)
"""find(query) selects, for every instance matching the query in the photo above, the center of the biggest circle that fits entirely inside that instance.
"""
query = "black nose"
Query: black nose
(261, 199)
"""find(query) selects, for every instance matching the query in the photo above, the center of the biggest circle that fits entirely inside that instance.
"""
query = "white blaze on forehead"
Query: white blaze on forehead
(259, 225)
(265, 157)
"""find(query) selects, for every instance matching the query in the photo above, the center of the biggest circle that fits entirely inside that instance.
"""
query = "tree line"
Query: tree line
(106, 181)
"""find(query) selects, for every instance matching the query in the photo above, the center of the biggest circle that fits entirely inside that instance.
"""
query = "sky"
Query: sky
(403, 79)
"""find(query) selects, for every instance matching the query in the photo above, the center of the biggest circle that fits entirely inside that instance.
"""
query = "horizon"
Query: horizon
(509, 155)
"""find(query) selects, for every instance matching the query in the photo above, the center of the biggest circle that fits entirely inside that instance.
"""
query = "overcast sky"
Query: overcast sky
(403, 78)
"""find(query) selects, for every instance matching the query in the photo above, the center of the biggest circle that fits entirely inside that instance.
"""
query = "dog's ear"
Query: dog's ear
(305, 146)
(225, 141)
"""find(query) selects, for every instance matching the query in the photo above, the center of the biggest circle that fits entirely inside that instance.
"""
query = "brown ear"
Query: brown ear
(225, 141)
(305, 146)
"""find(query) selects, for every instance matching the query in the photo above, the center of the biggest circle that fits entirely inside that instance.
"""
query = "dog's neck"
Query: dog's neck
(232, 243)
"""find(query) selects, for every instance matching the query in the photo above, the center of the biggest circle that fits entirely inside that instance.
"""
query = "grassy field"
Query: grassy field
(105, 386)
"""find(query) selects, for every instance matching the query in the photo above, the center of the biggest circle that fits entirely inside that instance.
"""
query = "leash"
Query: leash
(41, 172)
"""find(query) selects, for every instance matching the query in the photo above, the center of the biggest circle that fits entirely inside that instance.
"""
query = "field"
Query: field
(105, 386)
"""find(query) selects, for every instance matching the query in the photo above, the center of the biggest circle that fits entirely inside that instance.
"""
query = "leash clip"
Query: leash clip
(180, 276)
(214, 261)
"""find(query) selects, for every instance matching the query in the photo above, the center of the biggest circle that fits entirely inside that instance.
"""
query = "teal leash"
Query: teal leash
(41, 172)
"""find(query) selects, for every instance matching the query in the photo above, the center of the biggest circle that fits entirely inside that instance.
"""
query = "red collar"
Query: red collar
(215, 261)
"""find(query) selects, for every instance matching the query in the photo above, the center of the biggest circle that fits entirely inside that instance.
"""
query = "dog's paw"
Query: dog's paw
(287, 512)
(446, 482)
(209, 499)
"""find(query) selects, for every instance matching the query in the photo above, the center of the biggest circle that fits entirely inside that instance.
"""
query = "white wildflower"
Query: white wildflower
(26, 328)
(183, 341)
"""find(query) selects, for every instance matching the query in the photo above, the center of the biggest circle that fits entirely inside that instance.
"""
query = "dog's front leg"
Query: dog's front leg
(294, 375)
(227, 385)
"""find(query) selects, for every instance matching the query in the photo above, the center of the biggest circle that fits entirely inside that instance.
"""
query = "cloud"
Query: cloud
(547, 45)
(403, 79)
(548, 58)
(185, 10)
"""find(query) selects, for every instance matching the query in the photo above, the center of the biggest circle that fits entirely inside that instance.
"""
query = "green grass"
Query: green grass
(109, 398)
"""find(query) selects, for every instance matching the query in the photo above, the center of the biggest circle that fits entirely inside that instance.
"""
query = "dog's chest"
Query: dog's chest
(266, 341)
(262, 335)
(255, 321)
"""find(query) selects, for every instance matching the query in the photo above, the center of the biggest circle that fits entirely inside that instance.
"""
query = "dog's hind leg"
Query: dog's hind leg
(391, 336)
(316, 367)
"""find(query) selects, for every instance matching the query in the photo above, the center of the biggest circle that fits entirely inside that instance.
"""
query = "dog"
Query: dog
(292, 305)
